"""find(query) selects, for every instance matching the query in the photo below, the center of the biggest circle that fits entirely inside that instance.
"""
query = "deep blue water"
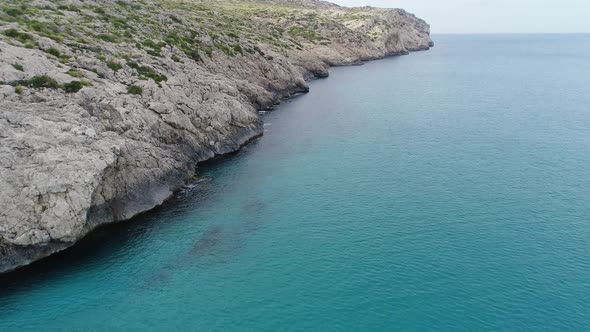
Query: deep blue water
(444, 190)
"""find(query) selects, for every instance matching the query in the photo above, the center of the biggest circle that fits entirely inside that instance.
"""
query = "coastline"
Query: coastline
(74, 161)
(48, 251)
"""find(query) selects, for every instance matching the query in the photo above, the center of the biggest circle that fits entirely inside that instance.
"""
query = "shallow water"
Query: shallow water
(446, 190)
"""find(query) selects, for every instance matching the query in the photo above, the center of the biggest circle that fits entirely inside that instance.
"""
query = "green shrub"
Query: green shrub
(46, 29)
(19, 89)
(133, 64)
(153, 52)
(175, 19)
(20, 36)
(175, 58)
(43, 81)
(69, 8)
(36, 25)
(225, 49)
(53, 51)
(237, 48)
(151, 44)
(75, 73)
(18, 67)
(302, 32)
(119, 23)
(114, 65)
(37, 82)
(208, 50)
(135, 90)
(153, 48)
(122, 3)
(107, 38)
(124, 56)
(12, 11)
(73, 86)
(147, 72)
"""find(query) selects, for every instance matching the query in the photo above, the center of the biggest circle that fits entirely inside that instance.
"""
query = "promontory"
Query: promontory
(106, 107)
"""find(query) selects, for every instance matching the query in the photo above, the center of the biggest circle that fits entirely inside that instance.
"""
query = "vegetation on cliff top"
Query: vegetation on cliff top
(119, 32)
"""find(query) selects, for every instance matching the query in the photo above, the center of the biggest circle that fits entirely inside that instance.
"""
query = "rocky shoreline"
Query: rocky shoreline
(107, 106)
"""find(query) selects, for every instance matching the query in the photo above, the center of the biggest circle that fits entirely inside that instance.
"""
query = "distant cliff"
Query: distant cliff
(107, 106)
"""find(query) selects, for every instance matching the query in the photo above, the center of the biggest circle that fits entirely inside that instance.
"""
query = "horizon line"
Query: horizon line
(510, 33)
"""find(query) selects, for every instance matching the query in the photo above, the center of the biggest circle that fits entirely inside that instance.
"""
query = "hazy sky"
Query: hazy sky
(489, 16)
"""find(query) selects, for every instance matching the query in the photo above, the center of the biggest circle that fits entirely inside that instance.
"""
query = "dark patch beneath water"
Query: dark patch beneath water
(207, 243)
(216, 245)
(251, 215)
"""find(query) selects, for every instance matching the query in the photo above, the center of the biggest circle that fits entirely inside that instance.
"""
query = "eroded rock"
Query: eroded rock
(70, 162)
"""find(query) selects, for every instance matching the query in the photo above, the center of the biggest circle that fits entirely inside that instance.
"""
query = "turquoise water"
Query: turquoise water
(445, 190)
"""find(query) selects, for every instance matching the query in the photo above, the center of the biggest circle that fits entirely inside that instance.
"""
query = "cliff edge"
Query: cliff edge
(106, 106)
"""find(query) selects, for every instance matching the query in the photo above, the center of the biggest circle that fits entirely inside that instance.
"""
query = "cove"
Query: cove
(445, 190)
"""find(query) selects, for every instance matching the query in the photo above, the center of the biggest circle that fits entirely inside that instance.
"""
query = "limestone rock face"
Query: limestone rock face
(107, 107)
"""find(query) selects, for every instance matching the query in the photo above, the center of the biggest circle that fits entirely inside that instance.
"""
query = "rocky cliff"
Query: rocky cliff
(106, 106)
